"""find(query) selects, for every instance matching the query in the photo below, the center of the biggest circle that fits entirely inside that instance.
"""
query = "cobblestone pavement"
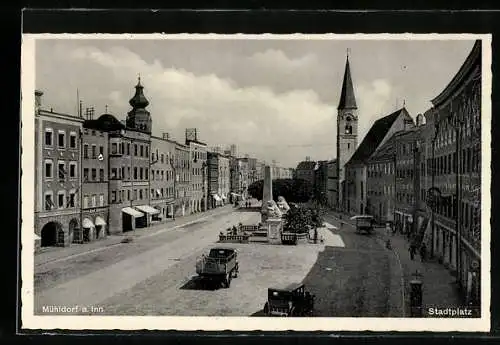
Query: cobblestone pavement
(98, 276)
(438, 285)
(351, 275)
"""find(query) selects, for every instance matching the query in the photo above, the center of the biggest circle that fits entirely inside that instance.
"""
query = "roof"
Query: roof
(306, 165)
(347, 98)
(287, 287)
(467, 67)
(105, 122)
(387, 150)
(375, 136)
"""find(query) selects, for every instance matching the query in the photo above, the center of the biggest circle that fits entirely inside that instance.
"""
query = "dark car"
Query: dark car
(292, 300)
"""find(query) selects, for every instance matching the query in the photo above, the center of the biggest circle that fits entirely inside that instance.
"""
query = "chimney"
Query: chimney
(420, 120)
(166, 136)
(308, 159)
(38, 100)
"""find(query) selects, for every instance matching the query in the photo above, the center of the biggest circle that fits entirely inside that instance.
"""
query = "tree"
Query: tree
(293, 190)
(298, 220)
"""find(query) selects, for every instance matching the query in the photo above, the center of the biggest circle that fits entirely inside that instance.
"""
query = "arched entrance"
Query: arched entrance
(52, 235)
(88, 230)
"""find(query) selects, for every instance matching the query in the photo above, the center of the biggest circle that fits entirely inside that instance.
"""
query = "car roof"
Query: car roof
(287, 287)
(223, 248)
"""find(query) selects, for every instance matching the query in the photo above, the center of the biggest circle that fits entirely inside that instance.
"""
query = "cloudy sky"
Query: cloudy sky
(275, 99)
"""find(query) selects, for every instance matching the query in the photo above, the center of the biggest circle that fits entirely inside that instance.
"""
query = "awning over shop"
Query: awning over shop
(87, 223)
(147, 209)
(132, 212)
(99, 221)
(217, 197)
(223, 196)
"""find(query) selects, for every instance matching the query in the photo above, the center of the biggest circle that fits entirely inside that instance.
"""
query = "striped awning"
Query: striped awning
(99, 221)
(132, 212)
(147, 209)
(87, 223)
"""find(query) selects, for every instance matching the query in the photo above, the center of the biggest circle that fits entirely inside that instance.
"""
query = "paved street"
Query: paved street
(350, 274)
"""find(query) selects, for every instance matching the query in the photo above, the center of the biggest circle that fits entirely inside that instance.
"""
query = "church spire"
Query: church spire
(139, 100)
(347, 98)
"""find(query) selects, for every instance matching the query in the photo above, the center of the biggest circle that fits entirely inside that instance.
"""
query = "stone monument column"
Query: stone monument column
(267, 192)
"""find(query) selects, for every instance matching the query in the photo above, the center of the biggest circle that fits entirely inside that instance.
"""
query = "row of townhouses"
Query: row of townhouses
(96, 177)
(424, 176)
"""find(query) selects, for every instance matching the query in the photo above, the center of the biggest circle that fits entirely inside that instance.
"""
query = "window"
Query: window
(72, 170)
(94, 151)
(94, 200)
(128, 194)
(72, 140)
(48, 136)
(152, 175)
(141, 173)
(146, 171)
(93, 133)
(113, 196)
(147, 152)
(122, 175)
(49, 204)
(94, 174)
(48, 168)
(101, 174)
(60, 199)
(128, 148)
(86, 151)
(162, 158)
(113, 174)
(135, 149)
(61, 138)
(142, 151)
(85, 174)
(128, 173)
(348, 129)
(71, 202)
(114, 148)
(140, 194)
(135, 173)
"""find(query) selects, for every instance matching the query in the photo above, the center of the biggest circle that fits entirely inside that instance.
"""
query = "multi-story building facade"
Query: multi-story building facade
(356, 168)
(259, 170)
(57, 176)
(456, 167)
(332, 184)
(218, 179)
(239, 172)
(95, 208)
(381, 182)
(305, 170)
(321, 182)
(198, 153)
(407, 181)
(182, 180)
(161, 175)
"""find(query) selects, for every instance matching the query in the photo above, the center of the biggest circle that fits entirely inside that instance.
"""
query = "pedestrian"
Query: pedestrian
(412, 251)
(423, 252)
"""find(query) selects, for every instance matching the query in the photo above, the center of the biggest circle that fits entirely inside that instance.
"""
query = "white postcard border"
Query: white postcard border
(31, 321)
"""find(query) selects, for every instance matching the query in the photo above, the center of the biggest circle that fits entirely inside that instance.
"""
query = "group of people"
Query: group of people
(422, 250)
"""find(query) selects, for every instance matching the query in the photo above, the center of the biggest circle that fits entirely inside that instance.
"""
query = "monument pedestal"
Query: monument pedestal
(274, 230)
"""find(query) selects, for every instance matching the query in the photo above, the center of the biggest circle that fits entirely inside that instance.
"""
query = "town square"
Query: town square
(258, 178)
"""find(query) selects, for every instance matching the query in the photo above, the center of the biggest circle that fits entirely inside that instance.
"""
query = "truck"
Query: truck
(218, 267)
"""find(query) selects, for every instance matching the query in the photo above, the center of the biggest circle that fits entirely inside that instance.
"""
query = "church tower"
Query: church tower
(347, 129)
(139, 118)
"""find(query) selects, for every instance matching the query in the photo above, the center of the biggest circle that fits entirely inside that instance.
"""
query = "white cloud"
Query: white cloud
(277, 59)
(262, 122)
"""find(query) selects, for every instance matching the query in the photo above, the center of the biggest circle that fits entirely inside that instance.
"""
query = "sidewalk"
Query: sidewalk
(55, 253)
(438, 285)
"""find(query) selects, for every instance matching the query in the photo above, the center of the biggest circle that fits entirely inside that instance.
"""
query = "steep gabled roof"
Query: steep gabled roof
(347, 98)
(375, 136)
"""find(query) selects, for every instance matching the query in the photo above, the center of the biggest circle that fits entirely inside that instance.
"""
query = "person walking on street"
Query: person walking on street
(423, 252)
(412, 250)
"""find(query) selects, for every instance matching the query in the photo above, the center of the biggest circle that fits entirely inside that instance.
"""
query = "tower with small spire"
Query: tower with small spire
(139, 118)
(347, 128)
